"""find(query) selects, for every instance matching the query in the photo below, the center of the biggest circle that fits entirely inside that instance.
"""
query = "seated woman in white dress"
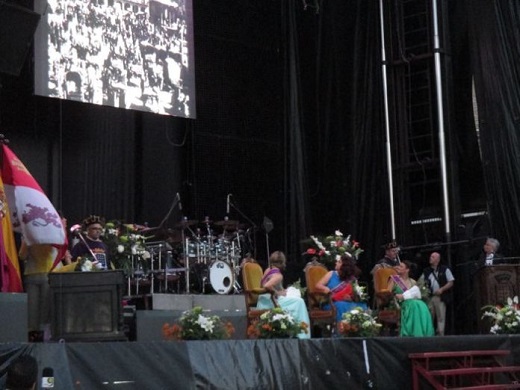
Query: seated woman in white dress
(273, 281)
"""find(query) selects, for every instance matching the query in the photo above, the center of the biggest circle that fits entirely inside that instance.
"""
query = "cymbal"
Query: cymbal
(186, 222)
(227, 223)
(150, 229)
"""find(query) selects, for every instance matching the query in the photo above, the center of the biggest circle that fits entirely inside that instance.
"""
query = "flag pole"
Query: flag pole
(3, 141)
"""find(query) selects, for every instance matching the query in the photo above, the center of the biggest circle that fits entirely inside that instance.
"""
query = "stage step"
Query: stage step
(453, 369)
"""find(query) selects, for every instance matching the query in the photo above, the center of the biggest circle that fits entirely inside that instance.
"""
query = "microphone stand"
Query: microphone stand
(176, 201)
(247, 219)
(268, 226)
(77, 231)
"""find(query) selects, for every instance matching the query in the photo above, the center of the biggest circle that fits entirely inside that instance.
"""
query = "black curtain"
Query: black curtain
(296, 188)
(339, 95)
(494, 41)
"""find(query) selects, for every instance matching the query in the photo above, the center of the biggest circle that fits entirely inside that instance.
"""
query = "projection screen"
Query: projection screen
(133, 54)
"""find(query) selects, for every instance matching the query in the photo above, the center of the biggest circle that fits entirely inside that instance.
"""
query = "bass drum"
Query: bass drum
(221, 277)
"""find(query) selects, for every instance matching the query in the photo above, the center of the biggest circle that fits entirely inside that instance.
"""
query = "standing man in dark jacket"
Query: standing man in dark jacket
(440, 279)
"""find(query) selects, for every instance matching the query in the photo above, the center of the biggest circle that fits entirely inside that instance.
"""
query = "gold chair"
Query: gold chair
(252, 274)
(389, 316)
(323, 320)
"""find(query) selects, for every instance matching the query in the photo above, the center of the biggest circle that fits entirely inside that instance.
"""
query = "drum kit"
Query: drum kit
(194, 258)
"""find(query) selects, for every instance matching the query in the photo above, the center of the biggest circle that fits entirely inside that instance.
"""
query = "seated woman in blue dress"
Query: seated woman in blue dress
(291, 303)
(416, 319)
(340, 284)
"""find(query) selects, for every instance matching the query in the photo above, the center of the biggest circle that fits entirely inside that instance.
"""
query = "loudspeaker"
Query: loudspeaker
(17, 27)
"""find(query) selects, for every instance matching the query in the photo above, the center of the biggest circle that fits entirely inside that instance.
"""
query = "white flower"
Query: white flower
(317, 242)
(86, 266)
(282, 317)
(146, 255)
(205, 323)
(495, 329)
(134, 250)
(338, 233)
(120, 248)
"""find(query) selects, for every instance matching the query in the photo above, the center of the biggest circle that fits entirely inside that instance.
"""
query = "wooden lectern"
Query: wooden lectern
(87, 306)
(493, 285)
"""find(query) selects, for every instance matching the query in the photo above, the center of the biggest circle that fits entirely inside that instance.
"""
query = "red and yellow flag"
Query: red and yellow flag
(32, 213)
(11, 278)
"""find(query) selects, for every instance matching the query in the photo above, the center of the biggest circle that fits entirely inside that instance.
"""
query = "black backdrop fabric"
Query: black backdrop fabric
(289, 121)
(494, 41)
(244, 364)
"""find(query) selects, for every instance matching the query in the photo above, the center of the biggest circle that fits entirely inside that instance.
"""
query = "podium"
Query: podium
(86, 306)
(493, 285)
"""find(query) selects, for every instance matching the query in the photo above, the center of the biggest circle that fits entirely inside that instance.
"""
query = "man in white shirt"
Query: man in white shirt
(489, 256)
(440, 279)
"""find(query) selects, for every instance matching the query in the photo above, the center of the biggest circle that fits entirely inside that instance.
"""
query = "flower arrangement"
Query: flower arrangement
(358, 323)
(276, 323)
(506, 319)
(126, 247)
(194, 325)
(330, 247)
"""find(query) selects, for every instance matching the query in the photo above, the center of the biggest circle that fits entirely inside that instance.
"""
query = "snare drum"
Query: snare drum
(221, 277)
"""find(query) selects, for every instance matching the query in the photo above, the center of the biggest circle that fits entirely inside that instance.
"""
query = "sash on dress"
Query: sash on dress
(271, 272)
(397, 280)
(342, 290)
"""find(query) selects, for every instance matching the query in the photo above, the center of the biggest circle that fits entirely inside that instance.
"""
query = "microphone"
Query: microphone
(227, 203)
(179, 199)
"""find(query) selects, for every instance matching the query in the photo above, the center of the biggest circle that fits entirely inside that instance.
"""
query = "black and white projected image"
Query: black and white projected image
(134, 54)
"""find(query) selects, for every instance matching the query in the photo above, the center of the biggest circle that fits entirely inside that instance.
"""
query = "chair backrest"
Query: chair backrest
(252, 274)
(381, 278)
(314, 271)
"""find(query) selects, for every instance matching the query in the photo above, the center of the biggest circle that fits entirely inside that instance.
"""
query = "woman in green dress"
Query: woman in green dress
(416, 319)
